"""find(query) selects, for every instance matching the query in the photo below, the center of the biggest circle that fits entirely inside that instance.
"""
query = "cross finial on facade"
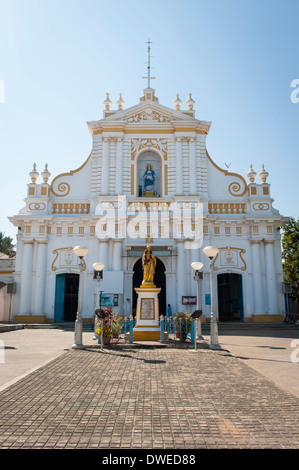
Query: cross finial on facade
(149, 78)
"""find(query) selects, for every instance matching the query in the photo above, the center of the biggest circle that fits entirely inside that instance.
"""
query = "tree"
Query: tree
(6, 245)
(290, 253)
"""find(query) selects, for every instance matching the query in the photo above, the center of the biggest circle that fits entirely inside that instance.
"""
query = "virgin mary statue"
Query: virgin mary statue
(148, 265)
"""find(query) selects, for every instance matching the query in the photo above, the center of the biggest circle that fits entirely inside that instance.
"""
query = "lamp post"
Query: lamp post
(211, 252)
(80, 251)
(197, 266)
(98, 274)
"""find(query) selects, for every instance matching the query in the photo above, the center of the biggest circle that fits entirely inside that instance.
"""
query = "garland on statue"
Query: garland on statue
(145, 259)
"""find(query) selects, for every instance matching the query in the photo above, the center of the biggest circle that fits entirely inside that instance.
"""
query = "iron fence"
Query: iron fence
(119, 328)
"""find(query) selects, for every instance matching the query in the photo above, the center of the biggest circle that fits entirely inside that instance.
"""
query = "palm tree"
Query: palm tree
(6, 245)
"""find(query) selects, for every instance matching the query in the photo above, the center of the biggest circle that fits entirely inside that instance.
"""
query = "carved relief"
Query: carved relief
(65, 258)
(150, 144)
(149, 115)
(229, 257)
(37, 206)
(261, 206)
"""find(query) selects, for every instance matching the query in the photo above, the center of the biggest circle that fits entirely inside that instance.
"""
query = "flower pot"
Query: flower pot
(106, 340)
(182, 336)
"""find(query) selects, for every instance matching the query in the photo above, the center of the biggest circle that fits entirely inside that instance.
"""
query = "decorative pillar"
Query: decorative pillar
(181, 273)
(117, 259)
(270, 277)
(192, 166)
(103, 253)
(119, 166)
(40, 278)
(105, 166)
(179, 166)
(26, 278)
(257, 278)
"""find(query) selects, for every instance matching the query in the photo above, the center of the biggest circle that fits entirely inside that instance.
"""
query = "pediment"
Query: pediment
(148, 113)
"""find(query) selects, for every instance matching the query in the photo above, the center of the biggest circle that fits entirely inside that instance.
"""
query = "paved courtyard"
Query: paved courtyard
(147, 398)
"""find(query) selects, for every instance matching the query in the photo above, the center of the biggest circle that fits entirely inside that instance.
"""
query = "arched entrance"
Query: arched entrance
(230, 297)
(159, 280)
(66, 297)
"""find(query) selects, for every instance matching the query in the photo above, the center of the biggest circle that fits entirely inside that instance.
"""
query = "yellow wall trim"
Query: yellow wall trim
(32, 319)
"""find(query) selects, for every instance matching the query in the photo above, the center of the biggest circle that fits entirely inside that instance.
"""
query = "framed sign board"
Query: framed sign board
(189, 300)
(109, 300)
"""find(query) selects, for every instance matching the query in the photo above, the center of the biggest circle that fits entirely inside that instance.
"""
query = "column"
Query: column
(192, 166)
(103, 253)
(271, 277)
(203, 164)
(179, 165)
(257, 278)
(105, 166)
(117, 258)
(128, 288)
(119, 166)
(26, 278)
(40, 279)
(181, 273)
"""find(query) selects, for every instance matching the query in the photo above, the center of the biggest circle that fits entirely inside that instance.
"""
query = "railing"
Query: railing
(70, 208)
(119, 328)
(227, 208)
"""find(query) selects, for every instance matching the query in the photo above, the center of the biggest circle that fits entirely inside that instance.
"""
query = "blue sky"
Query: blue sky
(237, 58)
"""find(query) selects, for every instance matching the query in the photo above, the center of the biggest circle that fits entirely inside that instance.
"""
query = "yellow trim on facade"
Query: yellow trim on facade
(227, 173)
(67, 174)
(32, 319)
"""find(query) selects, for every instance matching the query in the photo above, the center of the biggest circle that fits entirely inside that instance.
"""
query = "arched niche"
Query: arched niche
(149, 170)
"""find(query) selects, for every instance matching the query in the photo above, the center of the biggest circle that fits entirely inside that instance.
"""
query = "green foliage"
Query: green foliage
(6, 245)
(290, 253)
(182, 321)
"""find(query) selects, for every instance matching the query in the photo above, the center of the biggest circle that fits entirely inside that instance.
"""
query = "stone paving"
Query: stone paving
(129, 397)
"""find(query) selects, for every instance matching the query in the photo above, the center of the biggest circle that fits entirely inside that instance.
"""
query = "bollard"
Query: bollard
(125, 328)
(167, 327)
(162, 329)
(131, 329)
(193, 339)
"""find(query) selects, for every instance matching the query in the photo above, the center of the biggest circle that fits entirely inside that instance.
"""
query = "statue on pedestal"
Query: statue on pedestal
(149, 179)
(148, 265)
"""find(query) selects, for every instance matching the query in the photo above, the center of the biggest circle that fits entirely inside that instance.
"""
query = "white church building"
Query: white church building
(148, 180)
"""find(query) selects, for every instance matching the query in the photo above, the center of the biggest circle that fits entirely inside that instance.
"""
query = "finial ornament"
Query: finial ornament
(34, 174)
(263, 175)
(177, 102)
(149, 78)
(107, 102)
(251, 174)
(120, 102)
(46, 174)
(190, 102)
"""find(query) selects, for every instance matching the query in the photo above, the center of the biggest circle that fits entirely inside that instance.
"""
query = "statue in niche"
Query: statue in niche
(148, 265)
(149, 179)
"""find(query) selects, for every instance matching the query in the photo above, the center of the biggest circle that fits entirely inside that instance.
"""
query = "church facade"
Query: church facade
(149, 180)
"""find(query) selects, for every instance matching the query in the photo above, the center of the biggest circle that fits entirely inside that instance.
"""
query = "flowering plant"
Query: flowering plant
(107, 323)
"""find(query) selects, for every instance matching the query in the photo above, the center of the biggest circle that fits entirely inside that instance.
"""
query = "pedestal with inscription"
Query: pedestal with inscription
(147, 314)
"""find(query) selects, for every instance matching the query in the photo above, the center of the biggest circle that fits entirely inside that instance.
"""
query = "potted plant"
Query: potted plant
(182, 323)
(107, 326)
(117, 324)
